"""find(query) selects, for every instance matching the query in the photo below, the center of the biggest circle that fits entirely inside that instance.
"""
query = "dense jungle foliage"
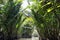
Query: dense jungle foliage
(44, 14)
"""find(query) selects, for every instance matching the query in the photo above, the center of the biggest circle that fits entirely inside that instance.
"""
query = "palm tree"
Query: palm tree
(11, 17)
(46, 18)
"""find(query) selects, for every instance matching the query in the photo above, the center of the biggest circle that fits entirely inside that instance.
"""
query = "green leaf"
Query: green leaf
(49, 9)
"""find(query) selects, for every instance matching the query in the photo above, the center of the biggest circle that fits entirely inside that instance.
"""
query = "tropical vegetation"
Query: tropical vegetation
(44, 14)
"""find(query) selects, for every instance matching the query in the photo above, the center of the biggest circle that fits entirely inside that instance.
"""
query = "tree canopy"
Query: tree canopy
(44, 14)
